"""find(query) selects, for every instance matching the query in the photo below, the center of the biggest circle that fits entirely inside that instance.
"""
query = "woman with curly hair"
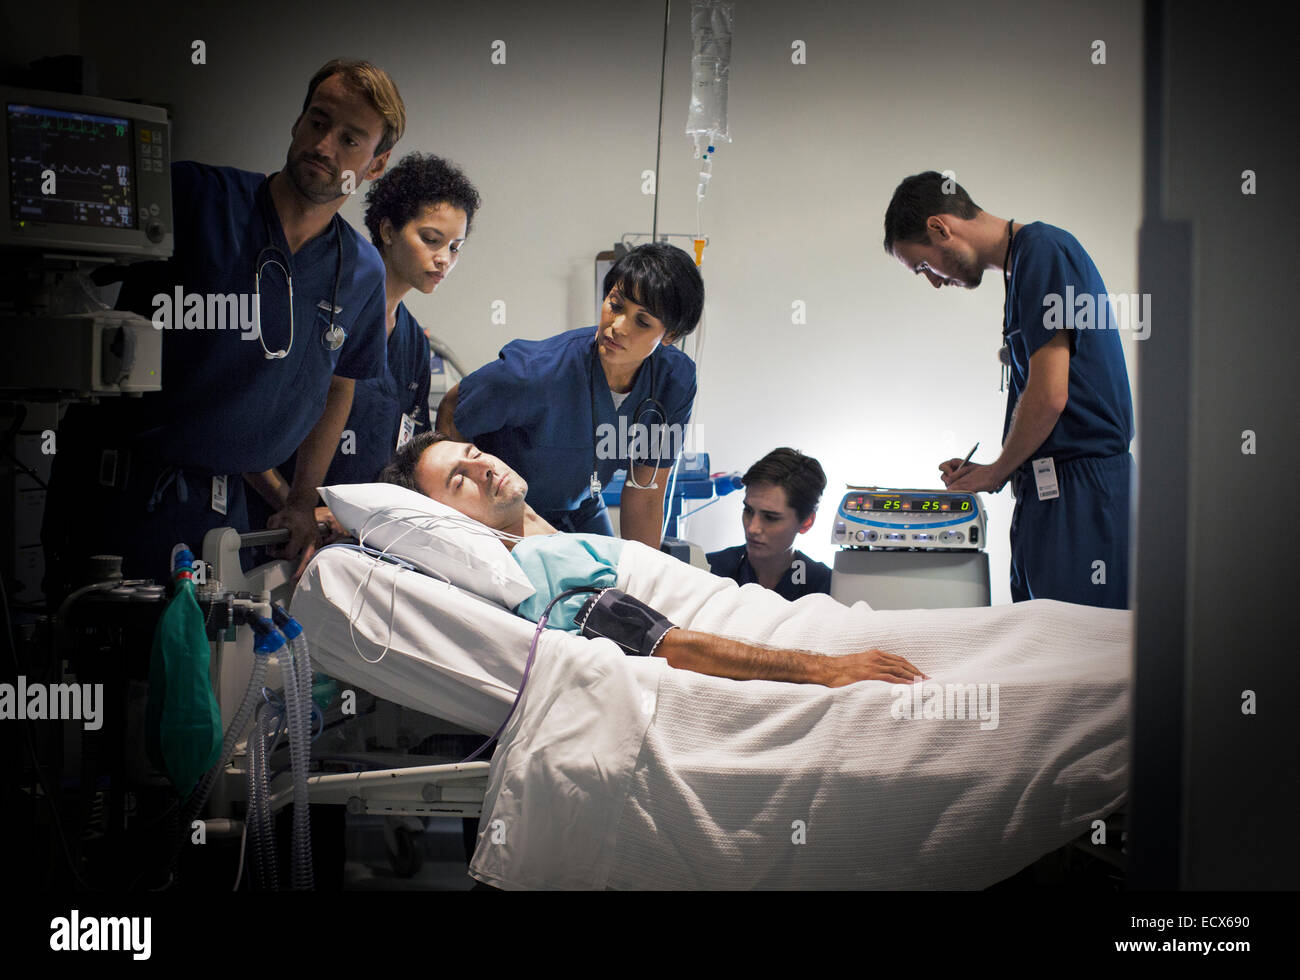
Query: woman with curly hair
(418, 214)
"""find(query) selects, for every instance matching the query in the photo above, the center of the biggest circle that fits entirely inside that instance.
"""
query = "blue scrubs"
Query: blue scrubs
(532, 408)
(733, 563)
(134, 476)
(378, 405)
(1073, 547)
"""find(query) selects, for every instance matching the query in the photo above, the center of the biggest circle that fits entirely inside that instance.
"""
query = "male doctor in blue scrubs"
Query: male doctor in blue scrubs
(1069, 417)
(134, 477)
(419, 215)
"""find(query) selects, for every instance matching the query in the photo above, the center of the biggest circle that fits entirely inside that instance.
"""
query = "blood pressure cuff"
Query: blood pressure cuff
(630, 623)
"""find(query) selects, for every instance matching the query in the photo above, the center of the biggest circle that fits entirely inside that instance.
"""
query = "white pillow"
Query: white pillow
(432, 536)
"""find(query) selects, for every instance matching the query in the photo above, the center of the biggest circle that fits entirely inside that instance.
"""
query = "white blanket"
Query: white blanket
(625, 773)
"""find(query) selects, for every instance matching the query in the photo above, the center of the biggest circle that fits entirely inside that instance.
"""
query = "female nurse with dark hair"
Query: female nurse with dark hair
(567, 412)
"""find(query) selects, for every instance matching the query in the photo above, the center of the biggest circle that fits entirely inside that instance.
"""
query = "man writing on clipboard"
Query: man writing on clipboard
(1069, 416)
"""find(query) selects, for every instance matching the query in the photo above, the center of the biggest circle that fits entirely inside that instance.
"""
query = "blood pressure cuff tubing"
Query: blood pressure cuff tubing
(630, 623)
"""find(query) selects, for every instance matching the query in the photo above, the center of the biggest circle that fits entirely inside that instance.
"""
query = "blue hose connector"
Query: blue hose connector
(268, 637)
(289, 626)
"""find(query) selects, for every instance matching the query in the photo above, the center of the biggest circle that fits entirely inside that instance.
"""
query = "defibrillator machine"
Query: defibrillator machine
(910, 549)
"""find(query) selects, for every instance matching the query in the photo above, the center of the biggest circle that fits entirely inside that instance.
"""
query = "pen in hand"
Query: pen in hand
(952, 474)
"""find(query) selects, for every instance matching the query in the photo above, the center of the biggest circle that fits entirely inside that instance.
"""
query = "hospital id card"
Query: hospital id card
(1045, 478)
(219, 497)
(405, 430)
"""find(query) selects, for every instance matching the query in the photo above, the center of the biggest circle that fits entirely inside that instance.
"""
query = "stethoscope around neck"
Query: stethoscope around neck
(655, 406)
(1004, 353)
(271, 254)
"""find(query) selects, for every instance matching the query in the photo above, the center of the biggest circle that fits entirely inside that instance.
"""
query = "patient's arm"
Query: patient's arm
(708, 654)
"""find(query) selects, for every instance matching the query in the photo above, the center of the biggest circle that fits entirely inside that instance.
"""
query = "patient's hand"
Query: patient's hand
(873, 665)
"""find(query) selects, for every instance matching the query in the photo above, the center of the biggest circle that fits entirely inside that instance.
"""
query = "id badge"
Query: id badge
(1045, 478)
(219, 494)
(405, 430)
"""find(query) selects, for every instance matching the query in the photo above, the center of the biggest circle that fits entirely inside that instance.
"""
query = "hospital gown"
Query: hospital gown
(556, 562)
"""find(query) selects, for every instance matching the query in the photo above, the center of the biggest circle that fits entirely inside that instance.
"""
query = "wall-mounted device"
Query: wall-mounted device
(107, 353)
(87, 182)
(85, 175)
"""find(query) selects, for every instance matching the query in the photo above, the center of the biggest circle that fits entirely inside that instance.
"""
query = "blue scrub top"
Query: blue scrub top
(733, 563)
(1098, 417)
(532, 408)
(224, 406)
(379, 403)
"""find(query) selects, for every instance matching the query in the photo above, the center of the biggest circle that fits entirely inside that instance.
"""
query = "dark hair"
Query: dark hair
(918, 198)
(401, 468)
(418, 181)
(800, 476)
(664, 280)
(376, 85)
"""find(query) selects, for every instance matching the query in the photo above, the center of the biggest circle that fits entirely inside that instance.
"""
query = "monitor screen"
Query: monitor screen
(88, 158)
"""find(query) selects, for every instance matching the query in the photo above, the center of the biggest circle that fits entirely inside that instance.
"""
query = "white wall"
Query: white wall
(887, 378)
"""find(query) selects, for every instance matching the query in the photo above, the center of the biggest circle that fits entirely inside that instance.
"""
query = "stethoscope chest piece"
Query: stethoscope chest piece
(333, 338)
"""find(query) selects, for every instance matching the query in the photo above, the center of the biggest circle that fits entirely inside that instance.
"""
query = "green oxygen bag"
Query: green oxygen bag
(182, 719)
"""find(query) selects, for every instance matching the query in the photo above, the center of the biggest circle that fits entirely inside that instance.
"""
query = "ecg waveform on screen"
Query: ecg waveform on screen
(90, 160)
(77, 125)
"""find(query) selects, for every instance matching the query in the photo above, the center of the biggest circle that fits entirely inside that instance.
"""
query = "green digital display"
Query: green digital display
(906, 503)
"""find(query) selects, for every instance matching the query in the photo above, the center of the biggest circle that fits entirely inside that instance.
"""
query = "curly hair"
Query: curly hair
(418, 181)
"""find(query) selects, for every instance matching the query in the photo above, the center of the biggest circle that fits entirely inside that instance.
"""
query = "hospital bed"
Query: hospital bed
(620, 772)
(423, 791)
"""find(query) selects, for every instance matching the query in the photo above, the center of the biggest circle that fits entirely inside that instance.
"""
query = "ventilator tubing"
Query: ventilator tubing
(295, 717)
(237, 725)
(295, 667)
(259, 822)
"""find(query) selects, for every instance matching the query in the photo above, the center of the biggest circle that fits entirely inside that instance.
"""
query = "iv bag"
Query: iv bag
(706, 120)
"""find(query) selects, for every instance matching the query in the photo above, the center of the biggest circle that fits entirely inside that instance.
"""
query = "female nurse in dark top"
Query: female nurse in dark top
(567, 412)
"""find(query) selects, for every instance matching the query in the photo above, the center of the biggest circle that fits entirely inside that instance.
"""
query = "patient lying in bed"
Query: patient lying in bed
(480, 486)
